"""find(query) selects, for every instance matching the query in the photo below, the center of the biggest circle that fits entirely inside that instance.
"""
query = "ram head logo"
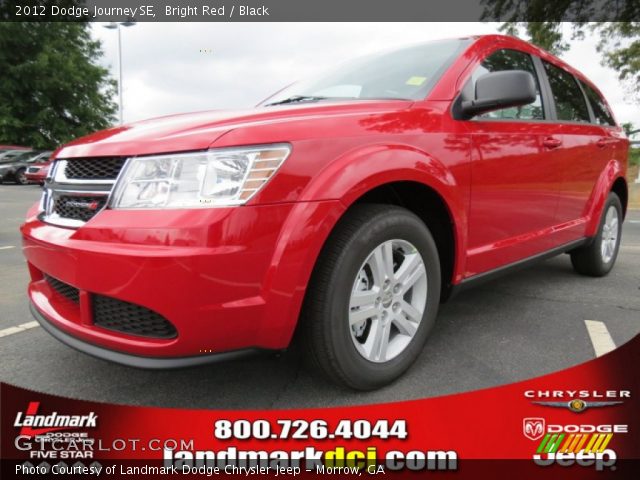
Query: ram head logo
(533, 428)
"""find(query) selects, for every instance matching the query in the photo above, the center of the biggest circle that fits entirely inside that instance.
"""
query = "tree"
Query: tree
(629, 129)
(547, 35)
(619, 44)
(52, 88)
(612, 22)
(620, 47)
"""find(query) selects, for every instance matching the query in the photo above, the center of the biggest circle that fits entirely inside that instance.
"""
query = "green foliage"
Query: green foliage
(547, 35)
(634, 153)
(619, 44)
(612, 22)
(52, 88)
(629, 128)
(620, 48)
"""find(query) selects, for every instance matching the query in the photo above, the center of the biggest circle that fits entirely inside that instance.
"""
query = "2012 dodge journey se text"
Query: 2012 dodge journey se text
(344, 209)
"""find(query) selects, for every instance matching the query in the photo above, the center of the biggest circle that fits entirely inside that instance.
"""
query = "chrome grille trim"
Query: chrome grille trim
(58, 185)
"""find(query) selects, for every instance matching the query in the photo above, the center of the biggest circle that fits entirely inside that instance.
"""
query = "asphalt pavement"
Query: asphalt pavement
(520, 326)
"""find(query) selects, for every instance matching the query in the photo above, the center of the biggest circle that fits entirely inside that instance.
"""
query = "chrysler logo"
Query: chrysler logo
(533, 428)
(577, 405)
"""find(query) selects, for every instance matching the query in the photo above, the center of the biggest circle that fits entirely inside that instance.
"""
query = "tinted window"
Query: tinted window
(600, 109)
(511, 60)
(570, 103)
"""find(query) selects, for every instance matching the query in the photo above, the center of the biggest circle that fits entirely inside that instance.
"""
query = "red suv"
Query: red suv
(344, 208)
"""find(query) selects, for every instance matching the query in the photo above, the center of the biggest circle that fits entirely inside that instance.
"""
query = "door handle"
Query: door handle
(551, 142)
(603, 142)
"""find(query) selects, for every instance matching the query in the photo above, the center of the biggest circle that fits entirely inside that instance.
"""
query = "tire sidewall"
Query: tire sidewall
(396, 225)
(614, 201)
(22, 181)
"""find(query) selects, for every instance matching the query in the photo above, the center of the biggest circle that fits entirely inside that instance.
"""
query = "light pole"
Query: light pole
(116, 26)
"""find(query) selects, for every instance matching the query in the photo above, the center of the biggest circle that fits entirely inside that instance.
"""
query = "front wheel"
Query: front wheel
(597, 258)
(373, 297)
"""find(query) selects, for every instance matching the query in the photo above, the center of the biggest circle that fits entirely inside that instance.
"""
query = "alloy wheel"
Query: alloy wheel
(609, 234)
(388, 300)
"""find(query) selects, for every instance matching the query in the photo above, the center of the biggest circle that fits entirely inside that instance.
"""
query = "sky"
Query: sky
(185, 67)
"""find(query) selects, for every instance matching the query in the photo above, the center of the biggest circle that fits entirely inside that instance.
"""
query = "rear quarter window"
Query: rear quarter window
(599, 107)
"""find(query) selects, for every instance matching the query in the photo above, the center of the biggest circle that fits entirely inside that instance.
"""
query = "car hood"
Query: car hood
(198, 131)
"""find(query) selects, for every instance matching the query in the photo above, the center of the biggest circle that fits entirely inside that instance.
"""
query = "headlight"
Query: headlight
(217, 177)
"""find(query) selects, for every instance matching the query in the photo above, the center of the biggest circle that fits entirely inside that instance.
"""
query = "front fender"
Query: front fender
(351, 175)
(301, 239)
(322, 204)
(357, 172)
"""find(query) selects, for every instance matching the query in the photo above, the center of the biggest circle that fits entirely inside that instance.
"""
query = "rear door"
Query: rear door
(585, 129)
(515, 177)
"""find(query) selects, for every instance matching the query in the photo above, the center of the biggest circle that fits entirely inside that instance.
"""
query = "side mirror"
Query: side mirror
(496, 90)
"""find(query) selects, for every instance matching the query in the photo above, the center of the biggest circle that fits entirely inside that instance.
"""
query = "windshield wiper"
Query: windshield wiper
(297, 99)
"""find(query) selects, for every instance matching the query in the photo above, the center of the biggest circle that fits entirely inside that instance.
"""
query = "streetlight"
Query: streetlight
(116, 26)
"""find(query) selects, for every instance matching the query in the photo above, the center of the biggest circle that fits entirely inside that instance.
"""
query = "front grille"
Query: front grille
(64, 289)
(33, 169)
(79, 189)
(79, 207)
(129, 318)
(105, 168)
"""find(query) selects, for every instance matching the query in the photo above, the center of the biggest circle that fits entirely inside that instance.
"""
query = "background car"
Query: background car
(6, 148)
(37, 172)
(14, 166)
(11, 154)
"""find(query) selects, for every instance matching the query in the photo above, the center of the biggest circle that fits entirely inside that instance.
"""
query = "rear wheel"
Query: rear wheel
(597, 258)
(21, 177)
(373, 297)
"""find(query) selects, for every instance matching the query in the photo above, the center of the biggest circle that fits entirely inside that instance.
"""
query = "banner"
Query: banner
(578, 423)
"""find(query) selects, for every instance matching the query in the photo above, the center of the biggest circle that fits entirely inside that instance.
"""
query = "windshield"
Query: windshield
(406, 74)
(43, 157)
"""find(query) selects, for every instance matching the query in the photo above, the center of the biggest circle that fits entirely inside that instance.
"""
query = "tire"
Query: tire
(21, 179)
(597, 258)
(346, 269)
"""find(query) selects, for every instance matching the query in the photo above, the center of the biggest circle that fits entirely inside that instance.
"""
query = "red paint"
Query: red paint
(13, 147)
(230, 278)
(41, 175)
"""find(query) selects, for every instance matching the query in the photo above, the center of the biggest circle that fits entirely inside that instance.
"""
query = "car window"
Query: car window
(569, 100)
(10, 156)
(511, 60)
(408, 73)
(600, 109)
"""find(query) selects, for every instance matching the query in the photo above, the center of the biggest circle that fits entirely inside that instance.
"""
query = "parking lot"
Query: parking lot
(520, 326)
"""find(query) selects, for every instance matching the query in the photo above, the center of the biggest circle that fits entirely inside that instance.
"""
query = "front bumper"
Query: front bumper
(37, 177)
(227, 279)
(134, 360)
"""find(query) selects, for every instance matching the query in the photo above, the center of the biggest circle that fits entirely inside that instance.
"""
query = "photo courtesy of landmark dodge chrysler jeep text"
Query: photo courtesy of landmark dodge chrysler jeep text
(343, 209)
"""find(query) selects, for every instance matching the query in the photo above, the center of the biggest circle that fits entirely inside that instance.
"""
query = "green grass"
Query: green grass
(634, 156)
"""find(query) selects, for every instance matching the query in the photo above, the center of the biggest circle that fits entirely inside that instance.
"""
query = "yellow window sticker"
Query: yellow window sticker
(416, 81)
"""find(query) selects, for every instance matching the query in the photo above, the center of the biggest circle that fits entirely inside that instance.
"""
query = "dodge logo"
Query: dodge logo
(533, 428)
(88, 205)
